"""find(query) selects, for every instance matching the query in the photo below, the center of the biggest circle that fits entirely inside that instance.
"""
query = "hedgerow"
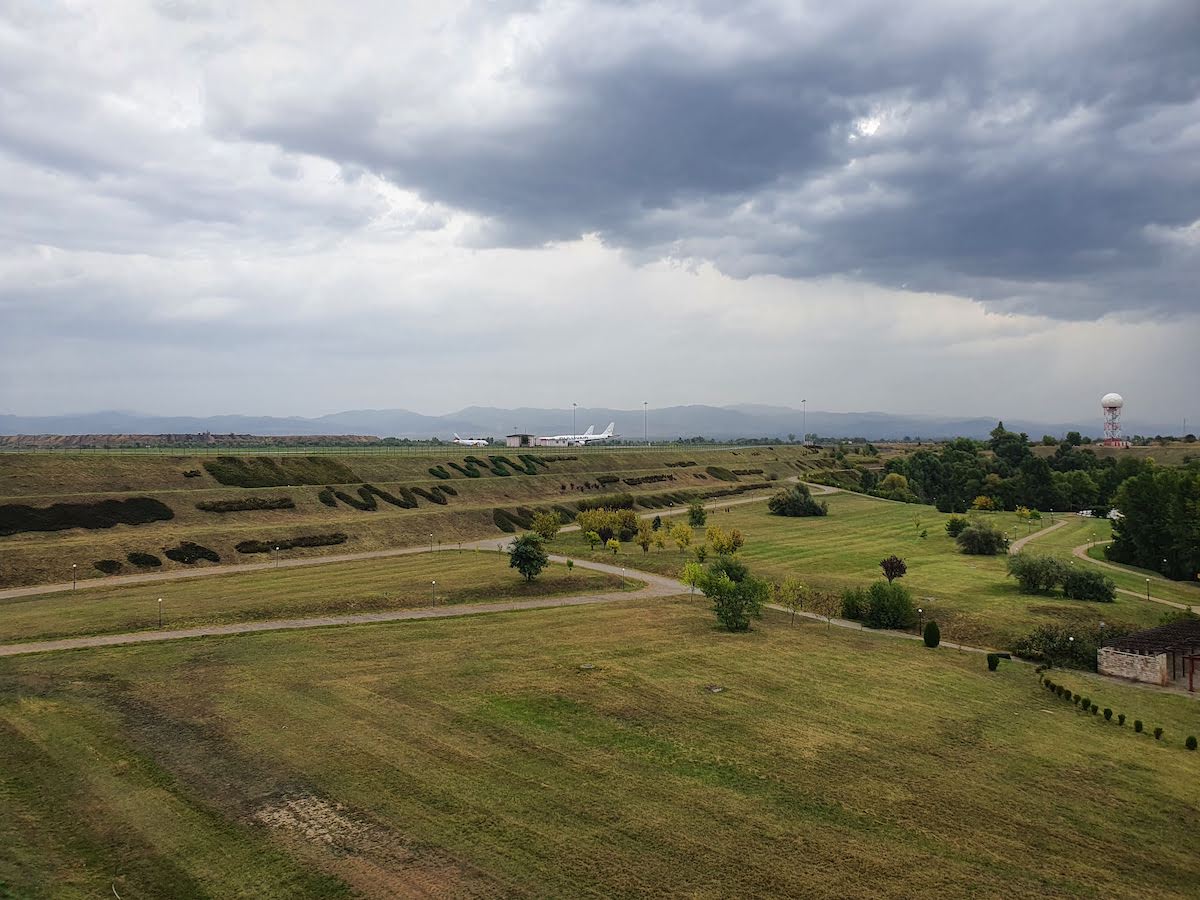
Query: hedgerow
(682, 463)
(439, 472)
(608, 479)
(721, 473)
(325, 495)
(606, 501)
(502, 520)
(311, 540)
(245, 503)
(265, 471)
(647, 479)
(144, 560)
(189, 552)
(470, 470)
(108, 566)
(747, 471)
(16, 518)
(365, 501)
(433, 496)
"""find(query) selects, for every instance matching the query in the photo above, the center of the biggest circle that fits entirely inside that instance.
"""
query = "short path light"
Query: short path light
(160, 612)
(73, 570)
(433, 588)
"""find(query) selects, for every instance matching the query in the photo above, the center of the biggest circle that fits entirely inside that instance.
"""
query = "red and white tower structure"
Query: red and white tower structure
(1112, 404)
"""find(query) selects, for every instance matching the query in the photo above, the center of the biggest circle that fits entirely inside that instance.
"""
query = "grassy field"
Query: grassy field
(971, 596)
(476, 757)
(344, 587)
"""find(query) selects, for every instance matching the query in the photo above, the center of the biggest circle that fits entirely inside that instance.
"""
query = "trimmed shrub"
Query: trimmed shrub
(144, 560)
(1086, 703)
(607, 479)
(446, 489)
(503, 522)
(244, 504)
(721, 473)
(981, 539)
(188, 552)
(606, 501)
(108, 566)
(1137, 725)
(1120, 718)
(16, 518)
(469, 471)
(647, 479)
(1107, 714)
(1095, 709)
(325, 495)
(265, 471)
(955, 525)
(1036, 574)
(747, 471)
(1158, 733)
(933, 634)
(439, 472)
(854, 604)
(889, 606)
(311, 540)
(681, 463)
(432, 496)
(365, 502)
(1190, 743)
(1081, 583)
(796, 501)
(993, 662)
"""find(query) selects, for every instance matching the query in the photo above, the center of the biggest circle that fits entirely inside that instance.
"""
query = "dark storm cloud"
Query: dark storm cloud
(1041, 156)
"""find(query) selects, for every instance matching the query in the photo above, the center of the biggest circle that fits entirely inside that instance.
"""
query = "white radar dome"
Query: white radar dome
(1112, 401)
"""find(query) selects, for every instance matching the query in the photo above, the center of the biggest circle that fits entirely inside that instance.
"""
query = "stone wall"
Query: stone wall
(1134, 666)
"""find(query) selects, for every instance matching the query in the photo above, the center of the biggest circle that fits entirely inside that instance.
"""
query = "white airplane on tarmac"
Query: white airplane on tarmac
(588, 437)
(471, 442)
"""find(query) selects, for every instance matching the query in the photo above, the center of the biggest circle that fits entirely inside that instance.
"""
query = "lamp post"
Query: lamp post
(431, 542)
(920, 619)
(277, 557)
(1147, 588)
(433, 589)
(73, 570)
(160, 612)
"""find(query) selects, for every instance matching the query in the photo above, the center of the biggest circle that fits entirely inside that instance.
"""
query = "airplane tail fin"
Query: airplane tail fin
(609, 430)
(456, 437)
(591, 429)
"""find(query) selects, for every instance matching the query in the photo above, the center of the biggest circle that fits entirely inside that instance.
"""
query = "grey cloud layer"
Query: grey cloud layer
(1043, 156)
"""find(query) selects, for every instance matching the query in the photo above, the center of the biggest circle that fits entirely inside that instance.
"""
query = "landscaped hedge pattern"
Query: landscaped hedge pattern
(509, 521)
(407, 498)
(439, 472)
(16, 518)
(188, 552)
(144, 560)
(265, 471)
(720, 472)
(647, 479)
(325, 495)
(108, 566)
(245, 504)
(311, 540)
(682, 463)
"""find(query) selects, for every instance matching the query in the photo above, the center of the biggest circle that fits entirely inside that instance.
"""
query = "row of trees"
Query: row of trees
(1159, 527)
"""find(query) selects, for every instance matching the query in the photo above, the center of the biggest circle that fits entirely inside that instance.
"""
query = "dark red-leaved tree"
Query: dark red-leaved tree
(893, 568)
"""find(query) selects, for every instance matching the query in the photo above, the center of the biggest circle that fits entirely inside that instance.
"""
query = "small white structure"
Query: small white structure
(519, 440)
(1112, 404)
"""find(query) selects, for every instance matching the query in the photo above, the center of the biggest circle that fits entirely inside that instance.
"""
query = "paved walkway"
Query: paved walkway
(1018, 545)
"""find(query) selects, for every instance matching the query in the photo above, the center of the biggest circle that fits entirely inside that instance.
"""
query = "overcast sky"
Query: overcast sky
(938, 207)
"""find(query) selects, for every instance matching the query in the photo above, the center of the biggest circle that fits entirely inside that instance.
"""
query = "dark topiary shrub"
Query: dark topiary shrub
(144, 560)
(325, 495)
(243, 504)
(264, 471)
(1084, 702)
(721, 473)
(406, 500)
(446, 489)
(933, 634)
(1137, 725)
(608, 479)
(16, 518)
(503, 522)
(432, 496)
(470, 470)
(1158, 733)
(1095, 709)
(108, 566)
(311, 540)
(993, 662)
(1107, 714)
(1190, 743)
(189, 552)
(1120, 718)
(439, 472)
(364, 502)
(647, 479)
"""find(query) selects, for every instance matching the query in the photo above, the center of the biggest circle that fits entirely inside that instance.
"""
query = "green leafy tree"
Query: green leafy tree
(593, 538)
(645, 535)
(736, 595)
(681, 534)
(724, 542)
(796, 501)
(1036, 574)
(697, 515)
(546, 525)
(691, 574)
(1159, 527)
(825, 604)
(613, 545)
(527, 555)
(982, 539)
(790, 595)
(1086, 583)
(889, 606)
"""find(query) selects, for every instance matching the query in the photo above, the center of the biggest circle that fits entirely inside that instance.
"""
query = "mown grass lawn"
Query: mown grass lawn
(346, 587)
(970, 596)
(477, 757)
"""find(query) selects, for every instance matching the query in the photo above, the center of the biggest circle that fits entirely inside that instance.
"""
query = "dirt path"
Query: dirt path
(1018, 545)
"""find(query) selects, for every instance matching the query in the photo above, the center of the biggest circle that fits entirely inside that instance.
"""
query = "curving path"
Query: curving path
(1018, 545)
(1081, 552)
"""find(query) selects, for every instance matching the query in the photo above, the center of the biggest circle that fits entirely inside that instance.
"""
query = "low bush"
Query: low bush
(1095, 709)
(1086, 703)
(854, 604)
(1120, 718)
(446, 489)
(796, 501)
(721, 473)
(993, 662)
(1080, 583)
(1158, 733)
(888, 605)
(1137, 725)
(982, 539)
(439, 472)
(1036, 574)
(647, 479)
(955, 525)
(532, 459)
(16, 518)
(1107, 714)
(191, 473)
(108, 566)
(311, 540)
(606, 501)
(144, 560)
(503, 522)
(244, 504)
(1190, 743)
(681, 463)
(365, 501)
(608, 479)
(189, 552)
(265, 471)
(1053, 643)
(434, 496)
(470, 470)
(325, 495)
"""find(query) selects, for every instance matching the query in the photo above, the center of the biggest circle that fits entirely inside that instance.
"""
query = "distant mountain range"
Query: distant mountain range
(717, 422)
